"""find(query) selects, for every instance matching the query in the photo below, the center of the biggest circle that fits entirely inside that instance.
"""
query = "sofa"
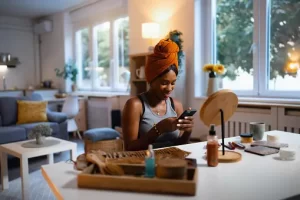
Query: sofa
(10, 131)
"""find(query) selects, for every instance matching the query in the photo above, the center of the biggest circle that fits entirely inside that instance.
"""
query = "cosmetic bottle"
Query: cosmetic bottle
(212, 147)
(150, 162)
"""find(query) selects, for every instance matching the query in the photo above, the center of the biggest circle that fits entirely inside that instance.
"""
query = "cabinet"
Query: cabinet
(138, 85)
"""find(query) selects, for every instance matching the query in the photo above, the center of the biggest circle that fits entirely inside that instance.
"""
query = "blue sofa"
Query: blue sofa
(12, 132)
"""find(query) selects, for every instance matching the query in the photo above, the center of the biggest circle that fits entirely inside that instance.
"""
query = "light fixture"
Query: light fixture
(150, 31)
(7, 60)
(3, 68)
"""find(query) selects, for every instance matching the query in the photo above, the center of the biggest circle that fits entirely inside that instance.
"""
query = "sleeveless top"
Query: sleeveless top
(149, 118)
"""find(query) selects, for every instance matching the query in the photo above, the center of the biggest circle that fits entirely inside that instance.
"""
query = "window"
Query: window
(234, 42)
(108, 67)
(258, 42)
(82, 55)
(103, 75)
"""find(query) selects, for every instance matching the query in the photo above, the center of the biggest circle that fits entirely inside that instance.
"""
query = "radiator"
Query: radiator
(99, 111)
(239, 122)
(289, 119)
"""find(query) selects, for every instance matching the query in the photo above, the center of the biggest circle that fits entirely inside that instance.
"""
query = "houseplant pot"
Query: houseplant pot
(74, 87)
(40, 139)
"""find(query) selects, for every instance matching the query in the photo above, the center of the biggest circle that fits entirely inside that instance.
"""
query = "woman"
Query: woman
(151, 117)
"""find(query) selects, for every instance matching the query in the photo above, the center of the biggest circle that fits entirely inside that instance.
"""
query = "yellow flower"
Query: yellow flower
(208, 67)
(219, 69)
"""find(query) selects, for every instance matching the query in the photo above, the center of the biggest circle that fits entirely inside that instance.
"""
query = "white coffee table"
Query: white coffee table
(24, 154)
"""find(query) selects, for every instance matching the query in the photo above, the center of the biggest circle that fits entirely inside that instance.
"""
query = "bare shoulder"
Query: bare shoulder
(178, 105)
(133, 104)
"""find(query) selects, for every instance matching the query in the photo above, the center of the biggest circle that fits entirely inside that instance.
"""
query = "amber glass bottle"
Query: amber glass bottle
(212, 147)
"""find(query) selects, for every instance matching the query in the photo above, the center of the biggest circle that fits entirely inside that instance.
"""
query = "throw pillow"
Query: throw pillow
(32, 111)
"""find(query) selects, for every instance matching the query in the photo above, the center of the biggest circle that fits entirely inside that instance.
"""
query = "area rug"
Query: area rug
(39, 189)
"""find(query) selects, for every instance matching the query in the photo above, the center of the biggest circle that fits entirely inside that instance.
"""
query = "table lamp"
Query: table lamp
(150, 31)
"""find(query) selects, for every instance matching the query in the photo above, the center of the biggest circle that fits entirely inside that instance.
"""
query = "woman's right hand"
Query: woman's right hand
(168, 125)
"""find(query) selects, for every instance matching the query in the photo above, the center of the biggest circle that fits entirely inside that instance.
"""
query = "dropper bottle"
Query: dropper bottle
(150, 162)
(212, 147)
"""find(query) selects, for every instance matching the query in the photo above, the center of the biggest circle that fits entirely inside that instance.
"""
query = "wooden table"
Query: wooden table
(24, 154)
(254, 177)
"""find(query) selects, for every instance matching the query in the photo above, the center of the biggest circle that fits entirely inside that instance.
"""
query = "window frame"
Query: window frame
(113, 60)
(261, 11)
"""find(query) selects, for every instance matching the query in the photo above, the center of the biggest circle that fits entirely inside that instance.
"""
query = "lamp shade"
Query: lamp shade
(150, 30)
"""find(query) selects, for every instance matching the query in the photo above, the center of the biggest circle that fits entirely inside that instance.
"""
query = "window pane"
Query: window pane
(103, 75)
(82, 56)
(235, 22)
(123, 73)
(284, 46)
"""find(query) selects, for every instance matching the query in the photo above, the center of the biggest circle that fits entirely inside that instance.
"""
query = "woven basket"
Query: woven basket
(108, 146)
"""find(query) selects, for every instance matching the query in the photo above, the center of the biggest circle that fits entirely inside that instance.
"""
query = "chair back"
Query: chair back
(71, 106)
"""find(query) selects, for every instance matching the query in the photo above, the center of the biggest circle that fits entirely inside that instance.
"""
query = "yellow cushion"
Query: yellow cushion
(32, 111)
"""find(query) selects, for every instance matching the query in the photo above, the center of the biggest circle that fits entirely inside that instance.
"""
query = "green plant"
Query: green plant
(70, 71)
(175, 36)
(40, 130)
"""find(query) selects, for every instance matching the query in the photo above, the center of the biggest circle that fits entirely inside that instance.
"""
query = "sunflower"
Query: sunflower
(208, 67)
(219, 69)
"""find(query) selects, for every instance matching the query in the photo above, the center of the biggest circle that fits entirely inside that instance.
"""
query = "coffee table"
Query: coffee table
(16, 149)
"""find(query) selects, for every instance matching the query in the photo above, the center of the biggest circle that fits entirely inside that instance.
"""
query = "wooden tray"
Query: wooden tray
(132, 181)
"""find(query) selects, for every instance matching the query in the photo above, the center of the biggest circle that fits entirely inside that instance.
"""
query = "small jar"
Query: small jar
(246, 138)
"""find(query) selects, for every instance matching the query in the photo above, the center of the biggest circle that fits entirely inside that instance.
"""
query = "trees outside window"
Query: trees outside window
(258, 41)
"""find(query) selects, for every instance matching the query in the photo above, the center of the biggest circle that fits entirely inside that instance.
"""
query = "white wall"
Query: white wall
(53, 51)
(17, 38)
(170, 14)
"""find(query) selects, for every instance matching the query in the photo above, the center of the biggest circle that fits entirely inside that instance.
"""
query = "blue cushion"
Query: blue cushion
(98, 134)
(28, 127)
(10, 134)
(9, 109)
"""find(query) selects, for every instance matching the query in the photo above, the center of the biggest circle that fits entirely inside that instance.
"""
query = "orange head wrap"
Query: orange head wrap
(165, 55)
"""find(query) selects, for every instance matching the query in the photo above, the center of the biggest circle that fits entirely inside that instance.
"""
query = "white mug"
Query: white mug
(140, 73)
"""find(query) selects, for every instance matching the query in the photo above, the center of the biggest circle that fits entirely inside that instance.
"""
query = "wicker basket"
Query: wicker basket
(104, 145)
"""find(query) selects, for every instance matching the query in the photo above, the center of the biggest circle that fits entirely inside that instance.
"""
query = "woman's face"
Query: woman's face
(164, 85)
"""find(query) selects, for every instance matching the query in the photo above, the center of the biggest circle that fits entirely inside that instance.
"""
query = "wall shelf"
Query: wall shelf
(12, 63)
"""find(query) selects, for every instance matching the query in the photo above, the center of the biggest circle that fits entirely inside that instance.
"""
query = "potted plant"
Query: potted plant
(40, 132)
(70, 71)
(175, 36)
(213, 70)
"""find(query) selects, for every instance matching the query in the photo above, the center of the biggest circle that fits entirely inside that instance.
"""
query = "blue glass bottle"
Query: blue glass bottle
(150, 163)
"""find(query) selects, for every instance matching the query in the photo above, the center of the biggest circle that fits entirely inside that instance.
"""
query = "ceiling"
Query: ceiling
(36, 8)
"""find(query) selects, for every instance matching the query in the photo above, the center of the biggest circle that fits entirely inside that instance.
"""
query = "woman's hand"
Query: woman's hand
(168, 125)
(186, 124)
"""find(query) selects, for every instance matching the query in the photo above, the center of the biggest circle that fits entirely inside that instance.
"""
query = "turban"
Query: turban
(165, 55)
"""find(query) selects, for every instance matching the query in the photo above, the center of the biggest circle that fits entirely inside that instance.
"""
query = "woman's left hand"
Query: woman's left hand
(186, 124)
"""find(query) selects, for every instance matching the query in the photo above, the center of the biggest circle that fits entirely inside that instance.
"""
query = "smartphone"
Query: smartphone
(187, 113)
